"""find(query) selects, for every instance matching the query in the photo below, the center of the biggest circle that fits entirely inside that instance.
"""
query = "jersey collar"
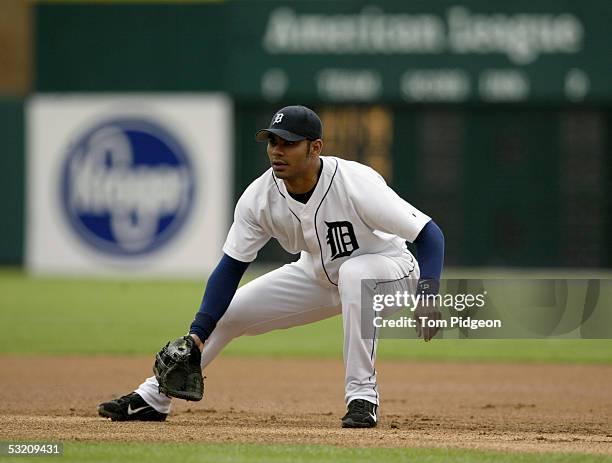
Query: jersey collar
(329, 167)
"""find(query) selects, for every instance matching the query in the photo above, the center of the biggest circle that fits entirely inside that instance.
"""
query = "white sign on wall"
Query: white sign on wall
(128, 184)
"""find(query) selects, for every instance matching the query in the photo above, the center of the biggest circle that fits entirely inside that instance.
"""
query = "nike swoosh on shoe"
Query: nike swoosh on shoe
(131, 410)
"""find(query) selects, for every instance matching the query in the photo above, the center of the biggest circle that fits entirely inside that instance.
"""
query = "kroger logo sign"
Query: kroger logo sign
(127, 186)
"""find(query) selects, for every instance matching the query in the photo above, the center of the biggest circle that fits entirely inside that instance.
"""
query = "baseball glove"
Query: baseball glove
(178, 371)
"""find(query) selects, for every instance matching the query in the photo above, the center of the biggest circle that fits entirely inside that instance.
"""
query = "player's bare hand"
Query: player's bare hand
(198, 342)
(428, 328)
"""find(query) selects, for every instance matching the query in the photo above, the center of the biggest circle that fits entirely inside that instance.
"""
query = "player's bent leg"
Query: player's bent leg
(283, 298)
(360, 347)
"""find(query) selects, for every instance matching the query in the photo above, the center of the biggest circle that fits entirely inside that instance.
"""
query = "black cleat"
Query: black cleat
(130, 407)
(360, 414)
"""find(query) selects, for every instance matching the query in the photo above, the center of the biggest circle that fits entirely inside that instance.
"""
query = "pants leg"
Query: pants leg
(283, 298)
(359, 350)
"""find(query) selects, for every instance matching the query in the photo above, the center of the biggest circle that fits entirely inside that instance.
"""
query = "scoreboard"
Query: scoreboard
(436, 51)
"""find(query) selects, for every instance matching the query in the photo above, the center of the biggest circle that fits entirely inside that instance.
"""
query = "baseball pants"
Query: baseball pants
(289, 296)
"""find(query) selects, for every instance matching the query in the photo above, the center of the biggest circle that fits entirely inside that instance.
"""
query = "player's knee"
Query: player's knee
(350, 274)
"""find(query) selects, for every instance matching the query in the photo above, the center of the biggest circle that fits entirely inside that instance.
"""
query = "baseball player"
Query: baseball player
(347, 225)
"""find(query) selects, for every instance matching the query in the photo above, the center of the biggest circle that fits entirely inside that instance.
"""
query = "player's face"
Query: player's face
(290, 159)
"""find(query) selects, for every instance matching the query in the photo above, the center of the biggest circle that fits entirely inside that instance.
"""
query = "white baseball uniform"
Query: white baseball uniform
(353, 227)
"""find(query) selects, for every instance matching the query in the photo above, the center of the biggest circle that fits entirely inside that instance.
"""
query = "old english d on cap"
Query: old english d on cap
(293, 123)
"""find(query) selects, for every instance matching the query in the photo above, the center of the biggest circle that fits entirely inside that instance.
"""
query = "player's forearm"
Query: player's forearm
(220, 290)
(430, 251)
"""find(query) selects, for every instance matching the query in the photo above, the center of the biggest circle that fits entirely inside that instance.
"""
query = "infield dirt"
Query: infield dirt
(534, 408)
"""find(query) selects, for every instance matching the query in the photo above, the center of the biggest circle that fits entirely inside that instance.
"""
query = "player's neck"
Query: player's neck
(307, 182)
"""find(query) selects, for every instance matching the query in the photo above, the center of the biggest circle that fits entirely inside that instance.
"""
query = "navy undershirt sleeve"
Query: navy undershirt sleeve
(430, 251)
(220, 290)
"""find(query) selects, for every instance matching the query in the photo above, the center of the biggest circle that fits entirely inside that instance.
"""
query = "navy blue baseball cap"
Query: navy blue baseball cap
(293, 123)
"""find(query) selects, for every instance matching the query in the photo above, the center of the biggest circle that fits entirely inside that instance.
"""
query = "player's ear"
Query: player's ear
(316, 147)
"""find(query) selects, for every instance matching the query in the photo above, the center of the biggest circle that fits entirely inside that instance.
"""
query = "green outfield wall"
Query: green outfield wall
(493, 118)
(12, 166)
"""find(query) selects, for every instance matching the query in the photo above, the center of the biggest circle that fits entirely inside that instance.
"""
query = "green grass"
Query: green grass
(165, 452)
(82, 316)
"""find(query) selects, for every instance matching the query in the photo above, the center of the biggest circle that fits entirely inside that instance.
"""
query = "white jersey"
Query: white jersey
(351, 212)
